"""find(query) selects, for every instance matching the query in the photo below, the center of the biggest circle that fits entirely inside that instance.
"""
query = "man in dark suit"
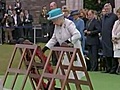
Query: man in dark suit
(92, 39)
(108, 21)
(28, 24)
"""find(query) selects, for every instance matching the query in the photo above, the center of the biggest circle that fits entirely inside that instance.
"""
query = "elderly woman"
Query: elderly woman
(80, 25)
(116, 38)
(64, 31)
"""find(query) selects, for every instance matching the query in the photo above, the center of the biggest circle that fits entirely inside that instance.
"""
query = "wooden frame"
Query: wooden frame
(64, 76)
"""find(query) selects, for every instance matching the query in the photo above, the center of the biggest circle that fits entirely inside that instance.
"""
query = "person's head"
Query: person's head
(17, 0)
(91, 14)
(75, 14)
(118, 13)
(26, 12)
(44, 8)
(65, 11)
(103, 11)
(22, 14)
(108, 8)
(99, 1)
(82, 14)
(14, 12)
(56, 16)
(9, 7)
(53, 5)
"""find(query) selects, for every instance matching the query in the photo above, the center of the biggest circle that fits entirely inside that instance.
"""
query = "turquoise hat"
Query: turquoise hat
(55, 13)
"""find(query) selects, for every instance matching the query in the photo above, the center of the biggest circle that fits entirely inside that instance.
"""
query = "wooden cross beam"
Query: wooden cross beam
(32, 66)
(63, 70)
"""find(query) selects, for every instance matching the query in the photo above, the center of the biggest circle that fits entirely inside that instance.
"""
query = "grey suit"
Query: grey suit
(92, 42)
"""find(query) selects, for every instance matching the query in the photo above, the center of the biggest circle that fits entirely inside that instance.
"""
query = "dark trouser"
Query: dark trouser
(54, 58)
(29, 33)
(1, 36)
(50, 31)
(111, 64)
(44, 28)
(93, 56)
(15, 33)
(18, 33)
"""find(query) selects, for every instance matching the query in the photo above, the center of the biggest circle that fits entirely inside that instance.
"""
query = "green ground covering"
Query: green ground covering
(5, 54)
(100, 81)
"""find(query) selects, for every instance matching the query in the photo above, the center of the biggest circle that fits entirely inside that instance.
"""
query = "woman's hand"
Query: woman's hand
(64, 44)
(115, 40)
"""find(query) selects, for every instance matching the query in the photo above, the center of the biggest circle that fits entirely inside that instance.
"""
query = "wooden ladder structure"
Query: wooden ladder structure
(65, 70)
(31, 69)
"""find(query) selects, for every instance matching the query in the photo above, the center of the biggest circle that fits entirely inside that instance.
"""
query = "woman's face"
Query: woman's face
(57, 22)
(75, 16)
(81, 14)
(118, 14)
(22, 14)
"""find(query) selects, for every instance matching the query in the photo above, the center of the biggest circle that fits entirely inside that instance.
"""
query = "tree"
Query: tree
(92, 4)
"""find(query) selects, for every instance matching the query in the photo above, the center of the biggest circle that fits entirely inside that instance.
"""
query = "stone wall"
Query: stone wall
(35, 6)
(117, 4)
(74, 4)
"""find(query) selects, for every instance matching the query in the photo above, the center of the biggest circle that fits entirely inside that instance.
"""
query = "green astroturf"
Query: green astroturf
(100, 81)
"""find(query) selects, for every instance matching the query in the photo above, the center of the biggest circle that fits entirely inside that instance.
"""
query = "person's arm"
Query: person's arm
(81, 28)
(74, 32)
(44, 49)
(113, 31)
(51, 42)
(97, 28)
(30, 19)
(81, 25)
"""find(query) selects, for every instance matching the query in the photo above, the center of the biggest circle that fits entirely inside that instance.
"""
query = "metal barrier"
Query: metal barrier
(0, 36)
(34, 28)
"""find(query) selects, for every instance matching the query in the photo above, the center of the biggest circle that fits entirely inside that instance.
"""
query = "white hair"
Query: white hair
(109, 6)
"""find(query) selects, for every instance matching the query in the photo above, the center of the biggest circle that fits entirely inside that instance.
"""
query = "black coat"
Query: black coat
(28, 21)
(94, 27)
(107, 25)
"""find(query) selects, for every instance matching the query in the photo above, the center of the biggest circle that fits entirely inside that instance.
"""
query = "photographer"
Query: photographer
(7, 24)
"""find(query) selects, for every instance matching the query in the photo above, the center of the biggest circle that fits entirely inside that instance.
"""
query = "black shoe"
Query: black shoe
(113, 72)
(106, 72)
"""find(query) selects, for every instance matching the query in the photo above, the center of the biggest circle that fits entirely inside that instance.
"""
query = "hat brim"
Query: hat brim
(75, 14)
(55, 17)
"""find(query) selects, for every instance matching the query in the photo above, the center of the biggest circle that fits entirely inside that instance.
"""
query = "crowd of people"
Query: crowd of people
(16, 23)
(95, 31)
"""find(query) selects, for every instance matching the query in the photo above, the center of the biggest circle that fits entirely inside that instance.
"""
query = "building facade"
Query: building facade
(35, 6)
(117, 4)
(74, 4)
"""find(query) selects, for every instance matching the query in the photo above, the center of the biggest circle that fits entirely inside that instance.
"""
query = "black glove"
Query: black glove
(67, 41)
(44, 49)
